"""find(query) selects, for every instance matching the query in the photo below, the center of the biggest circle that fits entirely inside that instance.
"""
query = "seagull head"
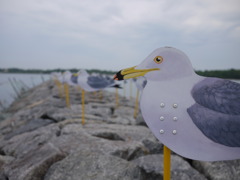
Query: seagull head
(162, 64)
(83, 72)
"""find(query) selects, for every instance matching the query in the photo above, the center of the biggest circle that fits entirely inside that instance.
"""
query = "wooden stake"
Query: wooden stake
(67, 94)
(136, 106)
(100, 94)
(59, 85)
(166, 163)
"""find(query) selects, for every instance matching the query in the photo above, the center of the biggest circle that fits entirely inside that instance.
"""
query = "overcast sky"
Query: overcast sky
(115, 34)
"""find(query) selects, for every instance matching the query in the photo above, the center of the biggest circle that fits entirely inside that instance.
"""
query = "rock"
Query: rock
(222, 170)
(20, 145)
(153, 146)
(140, 120)
(29, 126)
(34, 165)
(43, 139)
(122, 115)
(5, 160)
(109, 135)
(74, 138)
(89, 165)
(152, 167)
(137, 133)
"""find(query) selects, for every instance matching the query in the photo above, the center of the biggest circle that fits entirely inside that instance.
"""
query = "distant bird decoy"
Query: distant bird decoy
(92, 83)
(70, 78)
(196, 117)
(58, 79)
(65, 80)
(140, 83)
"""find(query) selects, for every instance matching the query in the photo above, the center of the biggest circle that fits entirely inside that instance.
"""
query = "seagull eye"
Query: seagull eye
(158, 59)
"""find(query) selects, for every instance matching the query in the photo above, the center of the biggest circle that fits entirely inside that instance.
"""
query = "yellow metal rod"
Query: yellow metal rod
(166, 163)
(67, 94)
(136, 105)
(83, 108)
(59, 85)
(100, 94)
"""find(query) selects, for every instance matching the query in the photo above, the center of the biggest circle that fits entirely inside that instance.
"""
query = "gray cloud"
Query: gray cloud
(115, 34)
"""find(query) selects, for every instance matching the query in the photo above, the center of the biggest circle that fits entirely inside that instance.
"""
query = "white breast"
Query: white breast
(164, 108)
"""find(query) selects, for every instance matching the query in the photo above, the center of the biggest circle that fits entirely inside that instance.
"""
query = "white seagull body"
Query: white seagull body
(67, 78)
(140, 83)
(195, 116)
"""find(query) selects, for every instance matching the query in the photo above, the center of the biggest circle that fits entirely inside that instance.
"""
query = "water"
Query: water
(7, 92)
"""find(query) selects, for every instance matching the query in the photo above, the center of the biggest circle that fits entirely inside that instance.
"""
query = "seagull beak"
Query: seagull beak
(132, 73)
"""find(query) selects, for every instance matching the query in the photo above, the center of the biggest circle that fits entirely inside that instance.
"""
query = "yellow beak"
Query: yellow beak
(75, 74)
(132, 73)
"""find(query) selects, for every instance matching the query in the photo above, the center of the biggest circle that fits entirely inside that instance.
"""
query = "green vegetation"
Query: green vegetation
(226, 74)
(38, 71)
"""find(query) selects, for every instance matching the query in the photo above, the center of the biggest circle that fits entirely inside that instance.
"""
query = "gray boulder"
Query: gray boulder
(152, 167)
(222, 170)
(89, 165)
(34, 165)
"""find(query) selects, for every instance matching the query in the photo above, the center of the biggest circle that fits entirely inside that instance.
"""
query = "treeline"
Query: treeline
(226, 74)
(39, 71)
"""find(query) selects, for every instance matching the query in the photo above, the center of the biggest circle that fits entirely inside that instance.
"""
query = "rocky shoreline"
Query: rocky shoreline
(42, 139)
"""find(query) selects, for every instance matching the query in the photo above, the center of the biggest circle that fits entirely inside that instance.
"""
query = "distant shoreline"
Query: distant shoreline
(226, 74)
(40, 71)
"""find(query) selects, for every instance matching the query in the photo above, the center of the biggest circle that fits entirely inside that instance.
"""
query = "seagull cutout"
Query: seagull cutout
(93, 83)
(196, 117)
(57, 76)
(69, 78)
(140, 83)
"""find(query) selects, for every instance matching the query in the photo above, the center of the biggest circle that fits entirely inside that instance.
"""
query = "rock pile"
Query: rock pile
(45, 140)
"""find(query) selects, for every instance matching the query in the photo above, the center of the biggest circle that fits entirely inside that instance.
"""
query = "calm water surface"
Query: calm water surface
(7, 93)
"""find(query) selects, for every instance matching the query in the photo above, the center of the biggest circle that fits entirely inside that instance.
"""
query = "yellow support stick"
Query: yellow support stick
(67, 94)
(136, 106)
(166, 163)
(117, 104)
(59, 85)
(83, 108)
(100, 94)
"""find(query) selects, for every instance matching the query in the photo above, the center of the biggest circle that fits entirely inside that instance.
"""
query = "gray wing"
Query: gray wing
(74, 79)
(220, 128)
(217, 110)
(219, 95)
(98, 82)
